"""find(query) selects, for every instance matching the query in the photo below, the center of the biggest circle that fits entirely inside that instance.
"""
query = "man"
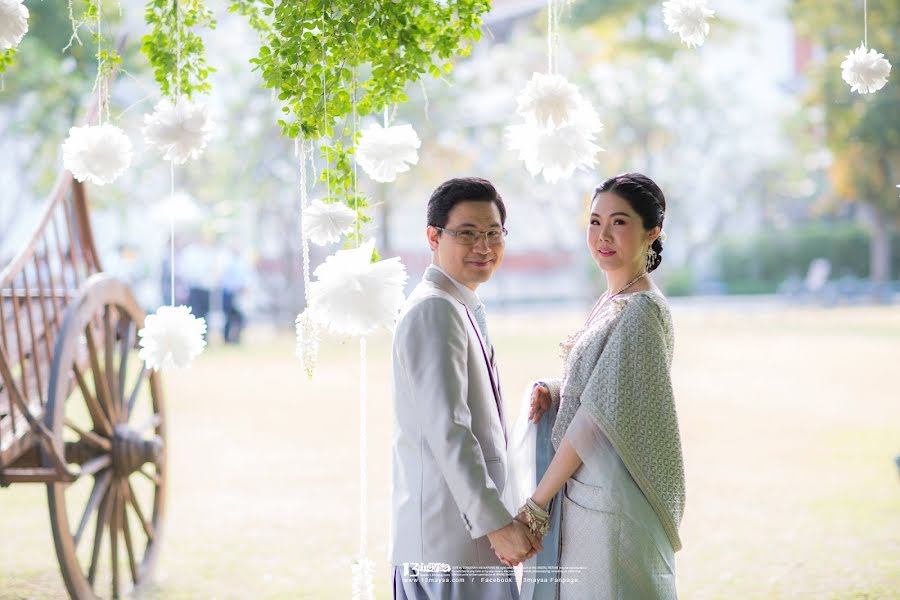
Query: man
(449, 449)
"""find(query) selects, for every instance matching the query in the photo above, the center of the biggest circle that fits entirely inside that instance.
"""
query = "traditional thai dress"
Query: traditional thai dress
(615, 522)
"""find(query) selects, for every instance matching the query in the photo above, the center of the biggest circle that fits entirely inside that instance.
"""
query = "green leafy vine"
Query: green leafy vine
(319, 55)
(160, 46)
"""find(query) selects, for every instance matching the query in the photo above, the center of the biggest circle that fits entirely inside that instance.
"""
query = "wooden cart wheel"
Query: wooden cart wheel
(106, 414)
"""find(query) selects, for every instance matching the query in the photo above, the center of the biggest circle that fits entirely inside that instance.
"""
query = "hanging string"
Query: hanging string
(172, 163)
(549, 36)
(100, 94)
(387, 119)
(363, 470)
(327, 167)
(172, 233)
(300, 153)
(865, 24)
(556, 10)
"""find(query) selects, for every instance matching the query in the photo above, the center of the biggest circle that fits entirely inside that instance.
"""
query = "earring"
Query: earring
(651, 258)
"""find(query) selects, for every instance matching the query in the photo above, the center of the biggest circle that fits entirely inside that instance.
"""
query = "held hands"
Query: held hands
(514, 543)
(540, 402)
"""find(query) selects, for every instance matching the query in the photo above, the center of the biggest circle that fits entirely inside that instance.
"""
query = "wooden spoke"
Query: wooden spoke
(124, 351)
(102, 518)
(99, 491)
(109, 341)
(152, 477)
(126, 530)
(96, 464)
(100, 381)
(137, 388)
(114, 542)
(132, 498)
(99, 442)
(98, 414)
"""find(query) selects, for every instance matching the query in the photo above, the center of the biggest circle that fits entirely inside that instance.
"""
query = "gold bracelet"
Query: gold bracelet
(538, 518)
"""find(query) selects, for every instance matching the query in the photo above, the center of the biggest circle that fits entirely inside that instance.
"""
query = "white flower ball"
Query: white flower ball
(13, 23)
(179, 130)
(97, 153)
(172, 337)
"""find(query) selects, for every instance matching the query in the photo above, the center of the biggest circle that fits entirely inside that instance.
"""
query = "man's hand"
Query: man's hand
(540, 402)
(514, 543)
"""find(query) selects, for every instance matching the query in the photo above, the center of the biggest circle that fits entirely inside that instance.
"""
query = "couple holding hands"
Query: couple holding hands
(587, 490)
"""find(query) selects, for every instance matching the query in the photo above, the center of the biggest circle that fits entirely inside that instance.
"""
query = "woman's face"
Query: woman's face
(616, 235)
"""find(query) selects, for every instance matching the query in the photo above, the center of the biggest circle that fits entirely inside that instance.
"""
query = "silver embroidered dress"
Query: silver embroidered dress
(619, 512)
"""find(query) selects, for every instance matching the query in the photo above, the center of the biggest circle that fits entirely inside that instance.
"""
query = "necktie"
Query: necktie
(481, 319)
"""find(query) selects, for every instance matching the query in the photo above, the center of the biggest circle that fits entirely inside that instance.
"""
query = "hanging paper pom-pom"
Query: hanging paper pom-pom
(179, 130)
(557, 153)
(97, 153)
(865, 70)
(549, 99)
(325, 223)
(385, 152)
(354, 296)
(363, 586)
(307, 342)
(13, 23)
(172, 337)
(688, 18)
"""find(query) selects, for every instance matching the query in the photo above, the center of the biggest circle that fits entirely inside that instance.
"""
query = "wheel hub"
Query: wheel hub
(131, 450)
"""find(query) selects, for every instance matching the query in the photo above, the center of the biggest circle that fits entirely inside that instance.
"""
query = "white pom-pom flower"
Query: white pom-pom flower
(97, 153)
(171, 337)
(363, 586)
(383, 153)
(325, 223)
(866, 71)
(688, 18)
(179, 130)
(549, 99)
(353, 296)
(307, 350)
(557, 152)
(13, 23)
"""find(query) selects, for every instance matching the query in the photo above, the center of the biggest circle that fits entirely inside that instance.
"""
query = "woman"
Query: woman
(612, 496)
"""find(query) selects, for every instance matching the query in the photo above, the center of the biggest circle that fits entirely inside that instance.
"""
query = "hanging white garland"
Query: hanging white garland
(97, 153)
(550, 100)
(363, 587)
(385, 152)
(688, 18)
(179, 130)
(307, 328)
(865, 70)
(353, 296)
(555, 153)
(13, 23)
(171, 337)
(325, 223)
(560, 126)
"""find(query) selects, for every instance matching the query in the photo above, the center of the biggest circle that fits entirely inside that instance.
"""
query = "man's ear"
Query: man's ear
(433, 236)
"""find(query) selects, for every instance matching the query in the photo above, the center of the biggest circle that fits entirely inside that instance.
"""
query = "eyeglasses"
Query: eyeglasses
(470, 237)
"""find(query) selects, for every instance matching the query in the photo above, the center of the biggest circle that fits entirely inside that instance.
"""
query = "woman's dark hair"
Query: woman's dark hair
(463, 189)
(644, 197)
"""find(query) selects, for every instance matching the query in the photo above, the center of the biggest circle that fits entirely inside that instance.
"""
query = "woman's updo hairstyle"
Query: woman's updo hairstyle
(645, 198)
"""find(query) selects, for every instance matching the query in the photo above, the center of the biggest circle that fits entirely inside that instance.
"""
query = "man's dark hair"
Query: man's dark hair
(462, 189)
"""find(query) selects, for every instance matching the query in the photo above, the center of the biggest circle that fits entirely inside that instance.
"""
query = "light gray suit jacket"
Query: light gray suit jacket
(449, 446)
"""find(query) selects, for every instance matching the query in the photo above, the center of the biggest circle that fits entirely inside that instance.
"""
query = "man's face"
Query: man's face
(469, 265)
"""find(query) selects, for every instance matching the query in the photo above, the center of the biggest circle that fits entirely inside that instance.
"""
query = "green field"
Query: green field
(790, 423)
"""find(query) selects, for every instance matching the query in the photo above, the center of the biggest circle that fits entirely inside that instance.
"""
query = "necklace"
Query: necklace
(566, 346)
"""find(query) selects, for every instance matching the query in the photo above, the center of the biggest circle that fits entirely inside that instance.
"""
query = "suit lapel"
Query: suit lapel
(443, 282)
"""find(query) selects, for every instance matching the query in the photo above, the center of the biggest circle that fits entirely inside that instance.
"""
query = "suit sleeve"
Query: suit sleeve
(435, 344)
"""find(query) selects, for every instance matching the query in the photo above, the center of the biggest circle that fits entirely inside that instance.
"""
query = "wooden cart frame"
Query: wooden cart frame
(79, 411)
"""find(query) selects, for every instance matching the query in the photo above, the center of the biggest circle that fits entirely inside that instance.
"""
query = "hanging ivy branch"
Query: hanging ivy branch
(6, 59)
(318, 53)
(161, 45)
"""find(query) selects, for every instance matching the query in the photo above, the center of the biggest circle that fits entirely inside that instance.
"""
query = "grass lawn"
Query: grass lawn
(790, 423)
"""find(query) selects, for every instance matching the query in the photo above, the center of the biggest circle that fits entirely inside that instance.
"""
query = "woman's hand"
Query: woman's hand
(540, 402)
